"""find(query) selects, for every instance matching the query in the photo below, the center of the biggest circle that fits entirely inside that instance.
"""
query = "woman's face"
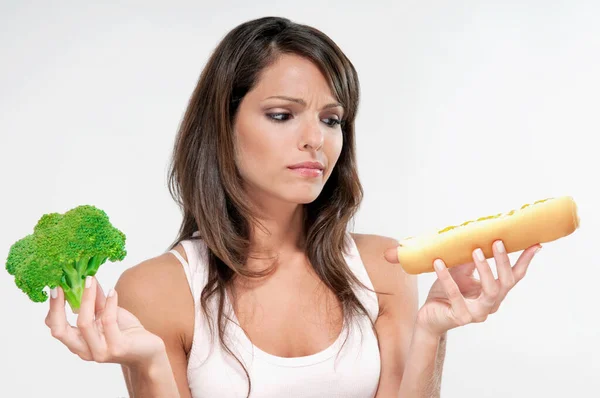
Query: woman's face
(274, 135)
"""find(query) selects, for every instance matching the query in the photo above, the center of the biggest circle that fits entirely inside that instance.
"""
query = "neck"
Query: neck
(281, 229)
(279, 240)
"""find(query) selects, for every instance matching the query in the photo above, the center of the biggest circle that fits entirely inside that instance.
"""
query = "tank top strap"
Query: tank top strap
(367, 297)
(185, 265)
(196, 272)
(195, 267)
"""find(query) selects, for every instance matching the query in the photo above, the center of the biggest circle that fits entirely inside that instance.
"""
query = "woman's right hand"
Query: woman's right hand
(105, 332)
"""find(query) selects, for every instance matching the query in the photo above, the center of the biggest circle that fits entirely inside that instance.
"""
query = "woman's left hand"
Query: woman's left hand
(457, 298)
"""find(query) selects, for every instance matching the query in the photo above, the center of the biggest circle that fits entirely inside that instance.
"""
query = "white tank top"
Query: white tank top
(352, 372)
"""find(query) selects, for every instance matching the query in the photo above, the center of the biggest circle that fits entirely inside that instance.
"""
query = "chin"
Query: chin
(302, 196)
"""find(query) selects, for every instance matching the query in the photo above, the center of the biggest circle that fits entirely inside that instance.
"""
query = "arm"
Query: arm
(422, 379)
(411, 360)
(152, 380)
(156, 292)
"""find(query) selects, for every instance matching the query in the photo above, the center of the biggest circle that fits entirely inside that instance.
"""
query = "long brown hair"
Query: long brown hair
(205, 182)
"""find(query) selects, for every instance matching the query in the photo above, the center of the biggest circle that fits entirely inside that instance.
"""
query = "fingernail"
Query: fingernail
(499, 246)
(439, 264)
(88, 281)
(479, 255)
(54, 292)
(537, 250)
(111, 292)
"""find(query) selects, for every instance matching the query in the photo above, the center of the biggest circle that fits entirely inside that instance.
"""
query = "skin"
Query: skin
(151, 337)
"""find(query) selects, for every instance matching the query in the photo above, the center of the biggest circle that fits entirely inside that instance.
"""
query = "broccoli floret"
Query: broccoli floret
(62, 251)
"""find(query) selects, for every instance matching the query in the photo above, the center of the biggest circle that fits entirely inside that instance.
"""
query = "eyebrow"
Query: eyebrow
(302, 102)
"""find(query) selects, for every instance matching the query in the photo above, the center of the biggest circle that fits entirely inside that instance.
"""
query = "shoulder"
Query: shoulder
(398, 307)
(391, 283)
(156, 291)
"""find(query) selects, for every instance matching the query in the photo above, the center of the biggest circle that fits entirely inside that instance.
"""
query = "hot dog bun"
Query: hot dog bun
(543, 221)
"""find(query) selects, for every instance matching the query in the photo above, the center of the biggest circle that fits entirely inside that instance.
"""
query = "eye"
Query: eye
(275, 116)
(334, 122)
(282, 117)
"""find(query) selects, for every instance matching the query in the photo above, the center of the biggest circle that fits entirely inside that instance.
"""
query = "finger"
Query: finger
(60, 329)
(100, 297)
(112, 333)
(520, 268)
(489, 287)
(391, 255)
(56, 313)
(457, 301)
(505, 273)
(86, 320)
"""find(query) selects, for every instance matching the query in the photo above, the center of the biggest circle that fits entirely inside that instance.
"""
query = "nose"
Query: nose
(311, 137)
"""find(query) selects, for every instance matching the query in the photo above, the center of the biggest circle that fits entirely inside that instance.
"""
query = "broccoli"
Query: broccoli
(62, 251)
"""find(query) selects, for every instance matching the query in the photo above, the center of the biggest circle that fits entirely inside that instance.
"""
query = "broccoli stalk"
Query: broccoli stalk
(62, 251)
(73, 280)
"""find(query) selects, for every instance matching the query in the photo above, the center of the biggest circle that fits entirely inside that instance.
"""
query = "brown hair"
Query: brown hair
(205, 182)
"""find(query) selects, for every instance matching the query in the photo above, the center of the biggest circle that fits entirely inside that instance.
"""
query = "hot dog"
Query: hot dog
(543, 221)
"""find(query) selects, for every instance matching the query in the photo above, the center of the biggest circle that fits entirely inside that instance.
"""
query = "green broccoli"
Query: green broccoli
(62, 251)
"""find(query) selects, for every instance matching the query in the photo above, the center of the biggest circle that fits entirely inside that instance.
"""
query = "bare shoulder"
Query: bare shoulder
(157, 293)
(391, 283)
(398, 305)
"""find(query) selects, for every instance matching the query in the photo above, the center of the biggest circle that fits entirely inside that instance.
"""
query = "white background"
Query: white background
(468, 109)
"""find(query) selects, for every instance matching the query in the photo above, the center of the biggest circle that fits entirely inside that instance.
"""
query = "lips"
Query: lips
(308, 169)
(308, 172)
(308, 165)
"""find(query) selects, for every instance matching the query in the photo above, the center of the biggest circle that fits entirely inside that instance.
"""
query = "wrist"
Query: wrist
(158, 366)
(424, 334)
(154, 353)
(157, 360)
(424, 327)
(154, 377)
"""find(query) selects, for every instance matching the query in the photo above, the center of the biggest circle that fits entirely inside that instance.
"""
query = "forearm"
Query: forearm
(423, 372)
(154, 380)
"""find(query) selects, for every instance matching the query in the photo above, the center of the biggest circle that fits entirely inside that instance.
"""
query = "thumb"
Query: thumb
(391, 255)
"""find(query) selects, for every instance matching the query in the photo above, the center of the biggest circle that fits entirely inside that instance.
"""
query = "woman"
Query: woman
(264, 293)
